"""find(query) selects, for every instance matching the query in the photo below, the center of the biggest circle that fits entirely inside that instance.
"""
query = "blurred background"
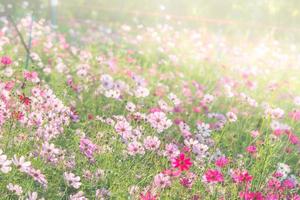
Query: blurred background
(278, 19)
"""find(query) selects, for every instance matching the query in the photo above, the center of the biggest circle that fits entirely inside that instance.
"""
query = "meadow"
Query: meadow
(147, 112)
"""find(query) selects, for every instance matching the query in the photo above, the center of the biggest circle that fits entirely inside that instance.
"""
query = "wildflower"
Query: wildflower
(208, 99)
(181, 162)
(25, 100)
(203, 130)
(37, 176)
(162, 181)
(251, 196)
(72, 180)
(135, 148)
(130, 107)
(159, 121)
(141, 92)
(254, 134)
(221, 162)
(151, 143)
(102, 194)
(274, 184)
(213, 176)
(283, 169)
(31, 76)
(33, 196)
(49, 152)
(289, 183)
(124, 129)
(15, 189)
(107, 81)
(188, 180)
(277, 113)
(241, 176)
(231, 117)
(171, 151)
(5, 60)
(271, 196)
(21, 164)
(148, 196)
(4, 163)
(78, 196)
(88, 148)
(251, 149)
(200, 149)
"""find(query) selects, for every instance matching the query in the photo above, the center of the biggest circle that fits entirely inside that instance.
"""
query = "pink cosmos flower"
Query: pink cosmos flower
(231, 116)
(5, 60)
(50, 153)
(295, 115)
(123, 128)
(148, 196)
(182, 163)
(294, 139)
(15, 189)
(78, 196)
(135, 148)
(38, 176)
(72, 180)
(188, 180)
(159, 121)
(251, 149)
(162, 181)
(213, 176)
(171, 151)
(221, 162)
(289, 184)
(151, 143)
(254, 134)
(241, 176)
(31, 76)
(272, 197)
(274, 184)
(88, 148)
(21, 164)
(4, 163)
(33, 196)
(251, 196)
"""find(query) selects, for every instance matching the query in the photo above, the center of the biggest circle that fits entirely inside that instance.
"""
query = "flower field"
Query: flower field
(147, 112)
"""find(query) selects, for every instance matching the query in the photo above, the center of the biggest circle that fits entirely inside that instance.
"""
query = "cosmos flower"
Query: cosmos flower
(21, 164)
(221, 162)
(78, 196)
(151, 143)
(162, 181)
(251, 149)
(15, 189)
(148, 196)
(72, 180)
(213, 176)
(5, 60)
(182, 162)
(4, 163)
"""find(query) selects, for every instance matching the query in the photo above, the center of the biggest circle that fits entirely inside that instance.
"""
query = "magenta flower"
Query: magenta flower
(5, 60)
(241, 176)
(213, 176)
(148, 196)
(182, 163)
(88, 148)
(251, 149)
(221, 162)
